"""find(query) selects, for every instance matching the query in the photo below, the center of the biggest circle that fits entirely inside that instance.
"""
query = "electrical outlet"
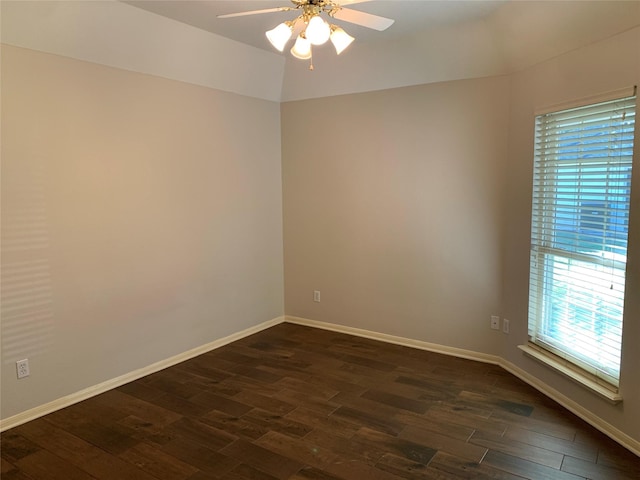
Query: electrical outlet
(505, 325)
(316, 295)
(495, 322)
(22, 368)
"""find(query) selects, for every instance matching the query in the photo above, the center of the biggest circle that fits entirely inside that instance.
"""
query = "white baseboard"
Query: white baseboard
(94, 390)
(622, 438)
(612, 432)
(407, 342)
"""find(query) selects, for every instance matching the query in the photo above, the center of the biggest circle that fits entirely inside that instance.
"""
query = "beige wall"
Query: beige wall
(599, 68)
(392, 209)
(409, 209)
(141, 217)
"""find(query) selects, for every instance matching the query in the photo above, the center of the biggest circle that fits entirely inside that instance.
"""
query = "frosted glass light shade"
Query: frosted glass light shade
(302, 48)
(340, 39)
(280, 35)
(317, 31)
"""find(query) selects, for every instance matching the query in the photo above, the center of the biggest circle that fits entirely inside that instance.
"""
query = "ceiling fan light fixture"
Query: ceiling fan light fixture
(318, 31)
(280, 35)
(340, 39)
(314, 29)
(302, 48)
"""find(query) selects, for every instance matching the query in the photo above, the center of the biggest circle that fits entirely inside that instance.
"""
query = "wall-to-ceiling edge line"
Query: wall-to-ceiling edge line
(612, 432)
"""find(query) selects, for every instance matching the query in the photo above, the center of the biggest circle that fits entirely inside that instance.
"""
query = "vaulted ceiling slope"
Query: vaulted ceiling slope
(430, 41)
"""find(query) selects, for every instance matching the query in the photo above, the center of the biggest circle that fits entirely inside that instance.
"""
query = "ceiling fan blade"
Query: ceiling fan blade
(364, 19)
(256, 12)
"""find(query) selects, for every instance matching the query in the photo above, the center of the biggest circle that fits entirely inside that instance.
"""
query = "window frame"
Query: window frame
(540, 256)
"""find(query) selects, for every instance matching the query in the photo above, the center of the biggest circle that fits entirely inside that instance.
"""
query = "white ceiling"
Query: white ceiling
(430, 41)
(411, 17)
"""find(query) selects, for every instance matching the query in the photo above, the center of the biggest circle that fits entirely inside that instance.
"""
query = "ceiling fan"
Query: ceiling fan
(312, 29)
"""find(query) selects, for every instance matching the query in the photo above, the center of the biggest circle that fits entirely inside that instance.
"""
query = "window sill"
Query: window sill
(573, 373)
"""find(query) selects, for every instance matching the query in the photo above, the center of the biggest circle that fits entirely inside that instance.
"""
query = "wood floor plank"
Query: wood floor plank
(309, 402)
(262, 459)
(111, 437)
(181, 406)
(306, 388)
(108, 467)
(518, 449)
(14, 446)
(356, 470)
(435, 424)
(297, 403)
(199, 432)
(6, 466)
(614, 456)
(247, 472)
(496, 403)
(255, 373)
(313, 418)
(595, 471)
(16, 474)
(372, 420)
(224, 404)
(330, 379)
(264, 402)
(388, 444)
(59, 442)
(140, 391)
(204, 370)
(80, 454)
(44, 465)
(553, 429)
(419, 388)
(405, 468)
(525, 468)
(396, 401)
(351, 448)
(304, 452)
(290, 368)
(200, 456)
(238, 426)
(144, 430)
(277, 423)
(311, 473)
(146, 410)
(158, 463)
(460, 468)
(460, 424)
(365, 405)
(559, 445)
(448, 444)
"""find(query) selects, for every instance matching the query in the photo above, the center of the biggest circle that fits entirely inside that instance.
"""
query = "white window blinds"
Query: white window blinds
(580, 217)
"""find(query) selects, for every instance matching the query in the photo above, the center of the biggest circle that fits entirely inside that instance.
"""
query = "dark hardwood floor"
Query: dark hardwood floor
(298, 403)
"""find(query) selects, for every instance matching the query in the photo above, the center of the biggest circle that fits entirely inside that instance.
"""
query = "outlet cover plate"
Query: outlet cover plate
(22, 368)
(505, 325)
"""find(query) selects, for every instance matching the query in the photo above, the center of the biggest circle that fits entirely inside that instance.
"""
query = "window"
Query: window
(580, 218)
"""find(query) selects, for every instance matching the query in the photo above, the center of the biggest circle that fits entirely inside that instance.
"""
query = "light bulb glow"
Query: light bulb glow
(280, 35)
(318, 31)
(340, 39)
(302, 48)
